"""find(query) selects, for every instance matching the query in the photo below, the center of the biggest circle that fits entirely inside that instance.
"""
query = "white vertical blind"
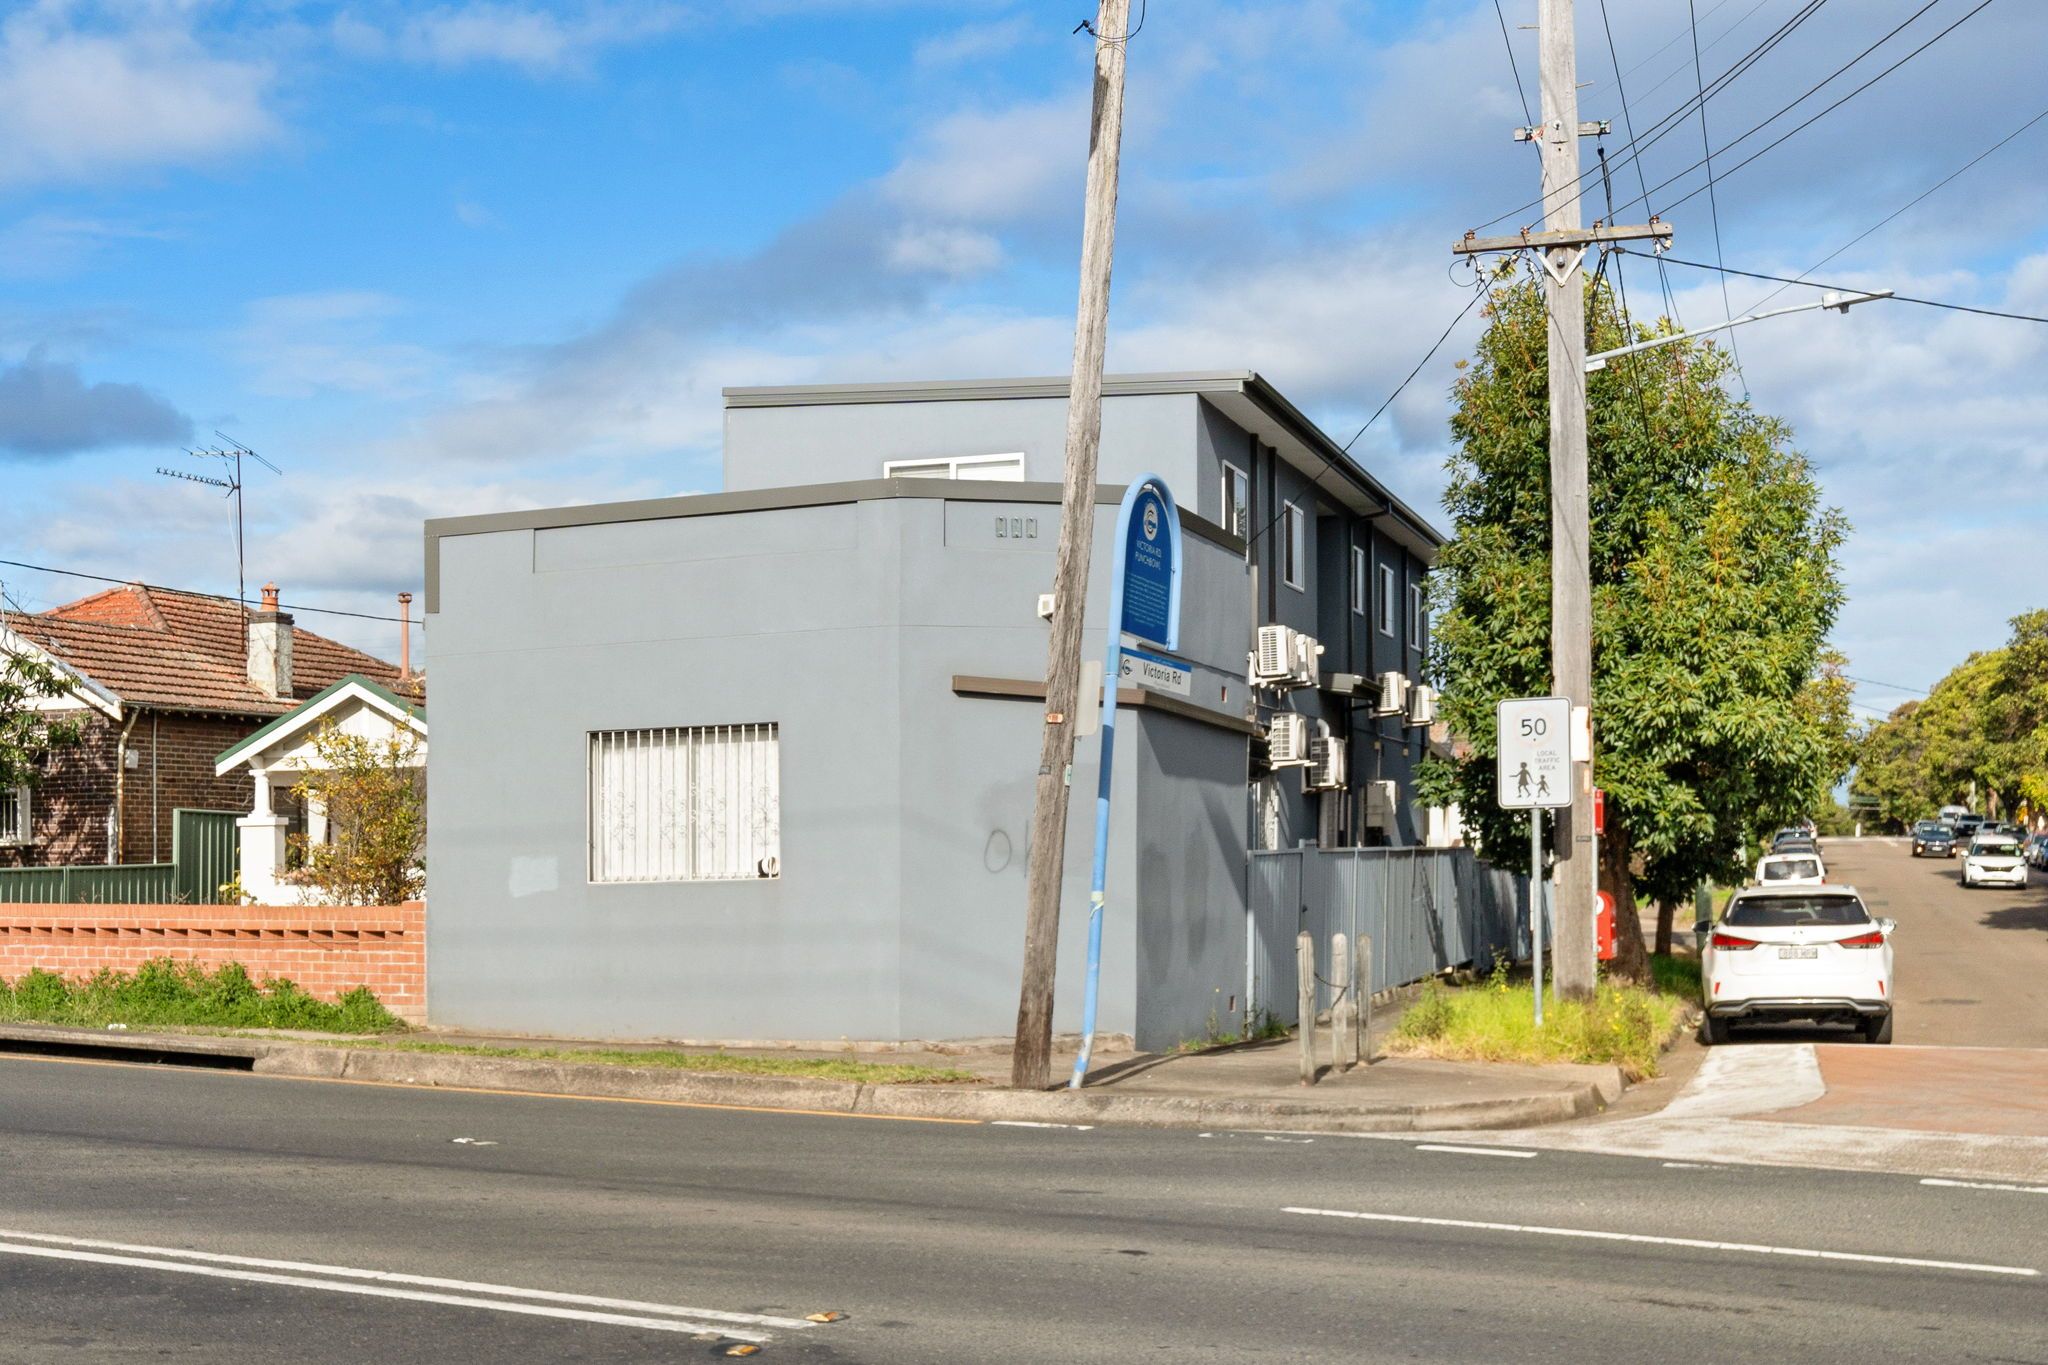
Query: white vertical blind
(674, 805)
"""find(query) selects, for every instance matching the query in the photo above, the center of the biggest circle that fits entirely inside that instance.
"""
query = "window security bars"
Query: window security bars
(678, 805)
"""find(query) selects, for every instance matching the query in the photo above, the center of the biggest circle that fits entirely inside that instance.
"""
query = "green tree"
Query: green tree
(374, 794)
(28, 733)
(1717, 706)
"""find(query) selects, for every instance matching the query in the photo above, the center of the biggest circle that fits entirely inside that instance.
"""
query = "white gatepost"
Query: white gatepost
(263, 848)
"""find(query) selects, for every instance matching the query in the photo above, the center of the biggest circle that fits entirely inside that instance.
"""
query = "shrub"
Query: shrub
(167, 992)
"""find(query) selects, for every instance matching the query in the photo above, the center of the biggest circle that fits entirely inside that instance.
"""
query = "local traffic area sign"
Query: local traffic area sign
(1535, 753)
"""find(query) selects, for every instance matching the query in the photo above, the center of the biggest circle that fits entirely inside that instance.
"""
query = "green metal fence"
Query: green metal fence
(204, 854)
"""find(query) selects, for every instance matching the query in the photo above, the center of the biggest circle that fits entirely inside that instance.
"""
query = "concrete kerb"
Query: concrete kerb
(795, 1094)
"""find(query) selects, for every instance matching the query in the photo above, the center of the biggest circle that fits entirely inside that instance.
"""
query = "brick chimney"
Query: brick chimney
(270, 647)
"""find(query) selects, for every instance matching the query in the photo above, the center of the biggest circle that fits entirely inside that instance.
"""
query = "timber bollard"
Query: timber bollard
(1305, 973)
(1344, 1006)
(1362, 975)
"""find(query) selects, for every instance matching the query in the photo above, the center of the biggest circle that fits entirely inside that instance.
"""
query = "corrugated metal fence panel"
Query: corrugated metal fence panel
(93, 884)
(205, 850)
(1427, 910)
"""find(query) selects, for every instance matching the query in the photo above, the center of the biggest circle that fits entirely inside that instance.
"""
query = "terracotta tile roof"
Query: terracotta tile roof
(154, 647)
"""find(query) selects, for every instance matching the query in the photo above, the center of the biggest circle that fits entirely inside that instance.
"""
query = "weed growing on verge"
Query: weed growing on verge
(167, 992)
(1627, 1026)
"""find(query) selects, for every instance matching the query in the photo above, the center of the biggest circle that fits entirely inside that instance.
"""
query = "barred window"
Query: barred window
(683, 805)
(14, 815)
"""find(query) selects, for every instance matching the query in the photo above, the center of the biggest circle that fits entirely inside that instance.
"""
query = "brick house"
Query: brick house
(165, 681)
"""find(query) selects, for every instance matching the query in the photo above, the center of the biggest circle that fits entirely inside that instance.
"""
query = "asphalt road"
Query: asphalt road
(943, 1242)
(1972, 965)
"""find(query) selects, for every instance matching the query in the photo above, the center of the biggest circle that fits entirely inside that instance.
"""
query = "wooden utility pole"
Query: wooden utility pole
(1563, 244)
(1031, 1062)
(1571, 584)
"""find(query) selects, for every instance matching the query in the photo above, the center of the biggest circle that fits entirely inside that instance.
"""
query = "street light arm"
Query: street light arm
(1841, 303)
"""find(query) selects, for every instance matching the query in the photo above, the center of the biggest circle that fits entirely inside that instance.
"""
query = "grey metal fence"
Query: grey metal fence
(1427, 910)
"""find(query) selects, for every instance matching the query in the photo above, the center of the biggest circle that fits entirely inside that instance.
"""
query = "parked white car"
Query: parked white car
(1797, 952)
(1790, 869)
(1994, 860)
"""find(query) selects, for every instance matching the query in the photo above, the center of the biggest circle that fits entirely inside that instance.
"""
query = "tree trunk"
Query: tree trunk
(1630, 963)
(1667, 912)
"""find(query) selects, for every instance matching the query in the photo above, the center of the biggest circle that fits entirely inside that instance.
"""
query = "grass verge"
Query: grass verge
(811, 1068)
(1493, 1021)
(167, 993)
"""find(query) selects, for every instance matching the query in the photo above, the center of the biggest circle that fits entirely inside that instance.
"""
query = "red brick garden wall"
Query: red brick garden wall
(327, 949)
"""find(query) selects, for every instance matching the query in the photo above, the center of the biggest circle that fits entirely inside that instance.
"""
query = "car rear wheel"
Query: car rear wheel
(1714, 1032)
(1879, 1029)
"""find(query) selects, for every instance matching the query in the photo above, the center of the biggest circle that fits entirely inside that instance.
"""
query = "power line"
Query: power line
(1916, 199)
(1808, 123)
(1676, 117)
(1513, 66)
(1628, 125)
(1850, 289)
(1679, 37)
(1477, 294)
(1890, 687)
(1713, 199)
(213, 596)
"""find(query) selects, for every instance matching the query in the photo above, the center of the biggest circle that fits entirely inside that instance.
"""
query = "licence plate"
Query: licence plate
(1799, 952)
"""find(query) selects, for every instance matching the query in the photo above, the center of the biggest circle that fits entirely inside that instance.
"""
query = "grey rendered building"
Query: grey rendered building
(758, 764)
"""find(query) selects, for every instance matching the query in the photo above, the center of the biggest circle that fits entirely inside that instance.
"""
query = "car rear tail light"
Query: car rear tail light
(1721, 940)
(1869, 940)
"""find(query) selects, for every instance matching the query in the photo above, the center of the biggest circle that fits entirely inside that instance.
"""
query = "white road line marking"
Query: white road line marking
(1695, 1243)
(343, 1272)
(1462, 1150)
(1691, 1166)
(1987, 1185)
(1027, 1123)
(381, 1291)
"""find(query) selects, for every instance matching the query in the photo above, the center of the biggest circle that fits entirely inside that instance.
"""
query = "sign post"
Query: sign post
(1534, 773)
(1144, 601)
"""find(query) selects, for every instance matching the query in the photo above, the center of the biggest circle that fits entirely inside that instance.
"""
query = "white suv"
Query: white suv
(1797, 952)
(1993, 860)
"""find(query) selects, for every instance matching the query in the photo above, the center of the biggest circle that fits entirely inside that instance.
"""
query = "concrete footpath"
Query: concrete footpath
(1250, 1086)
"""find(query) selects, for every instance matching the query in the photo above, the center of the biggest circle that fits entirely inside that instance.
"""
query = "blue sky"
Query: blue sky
(472, 256)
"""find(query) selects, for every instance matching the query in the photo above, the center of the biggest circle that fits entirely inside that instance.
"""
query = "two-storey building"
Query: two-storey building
(760, 763)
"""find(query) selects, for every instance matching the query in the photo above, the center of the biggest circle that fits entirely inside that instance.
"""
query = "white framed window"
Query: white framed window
(1415, 617)
(1237, 500)
(15, 815)
(702, 804)
(1386, 604)
(989, 468)
(1359, 578)
(1295, 547)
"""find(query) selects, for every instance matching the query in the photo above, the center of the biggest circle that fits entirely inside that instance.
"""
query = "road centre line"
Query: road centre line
(1986, 1185)
(1694, 1243)
(128, 1252)
(1461, 1150)
(1032, 1123)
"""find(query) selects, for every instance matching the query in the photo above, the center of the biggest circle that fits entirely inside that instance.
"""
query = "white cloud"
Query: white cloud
(54, 244)
(994, 165)
(300, 345)
(950, 252)
(79, 103)
(973, 42)
(534, 39)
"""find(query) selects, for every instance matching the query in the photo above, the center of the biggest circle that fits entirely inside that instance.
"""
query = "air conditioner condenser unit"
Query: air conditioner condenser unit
(1287, 741)
(1422, 706)
(1393, 695)
(1327, 766)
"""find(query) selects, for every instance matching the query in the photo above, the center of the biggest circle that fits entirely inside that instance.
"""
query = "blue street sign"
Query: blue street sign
(1149, 564)
(1144, 600)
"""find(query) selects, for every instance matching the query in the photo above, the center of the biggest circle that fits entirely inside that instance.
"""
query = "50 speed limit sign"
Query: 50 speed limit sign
(1535, 753)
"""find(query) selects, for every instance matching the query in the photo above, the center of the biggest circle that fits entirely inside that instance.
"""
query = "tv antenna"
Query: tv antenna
(230, 453)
